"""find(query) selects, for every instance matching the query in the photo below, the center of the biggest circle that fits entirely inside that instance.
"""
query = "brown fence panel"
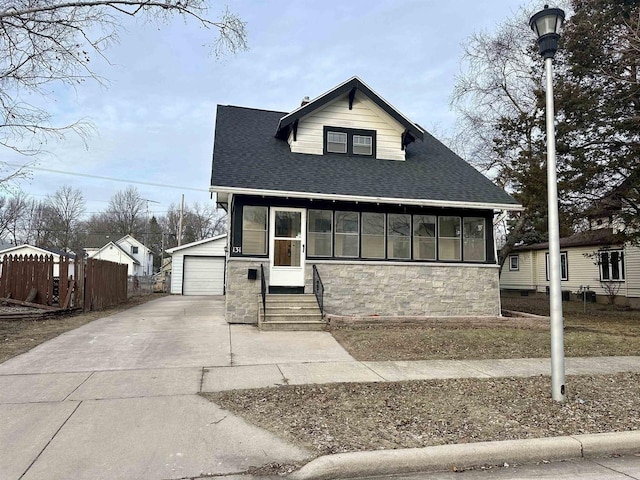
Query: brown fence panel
(98, 283)
(106, 284)
(63, 283)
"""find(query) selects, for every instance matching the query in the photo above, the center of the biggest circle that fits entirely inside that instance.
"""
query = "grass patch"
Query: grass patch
(349, 417)
(602, 331)
(20, 336)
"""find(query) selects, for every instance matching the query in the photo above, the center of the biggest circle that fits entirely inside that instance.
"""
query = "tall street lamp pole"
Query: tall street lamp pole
(546, 24)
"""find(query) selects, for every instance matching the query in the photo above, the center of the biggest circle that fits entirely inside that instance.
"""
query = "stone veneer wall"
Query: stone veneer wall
(378, 289)
(243, 295)
(408, 289)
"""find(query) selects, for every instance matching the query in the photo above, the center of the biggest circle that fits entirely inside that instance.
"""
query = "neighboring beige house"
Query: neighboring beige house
(27, 249)
(127, 251)
(594, 260)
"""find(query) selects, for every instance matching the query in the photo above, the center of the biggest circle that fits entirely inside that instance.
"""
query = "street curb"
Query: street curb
(466, 455)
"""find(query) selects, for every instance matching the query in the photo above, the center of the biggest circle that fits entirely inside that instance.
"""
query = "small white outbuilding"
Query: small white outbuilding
(198, 268)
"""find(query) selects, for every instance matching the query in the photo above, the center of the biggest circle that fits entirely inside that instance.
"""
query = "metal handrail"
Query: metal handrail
(263, 291)
(318, 289)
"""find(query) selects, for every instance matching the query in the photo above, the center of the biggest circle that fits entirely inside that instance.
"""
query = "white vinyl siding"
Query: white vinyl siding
(522, 279)
(365, 115)
(632, 271)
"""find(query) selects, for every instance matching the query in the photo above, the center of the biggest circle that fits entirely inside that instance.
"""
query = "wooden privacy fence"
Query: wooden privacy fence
(88, 284)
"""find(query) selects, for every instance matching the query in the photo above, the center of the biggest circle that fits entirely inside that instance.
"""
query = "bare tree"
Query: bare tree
(44, 43)
(126, 212)
(66, 207)
(11, 210)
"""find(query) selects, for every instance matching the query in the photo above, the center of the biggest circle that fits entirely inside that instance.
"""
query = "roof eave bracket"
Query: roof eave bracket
(352, 96)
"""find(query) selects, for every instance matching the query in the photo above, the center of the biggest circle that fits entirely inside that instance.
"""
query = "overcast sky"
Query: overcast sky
(155, 119)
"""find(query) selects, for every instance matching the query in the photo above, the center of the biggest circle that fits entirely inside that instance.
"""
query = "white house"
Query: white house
(128, 251)
(27, 249)
(198, 268)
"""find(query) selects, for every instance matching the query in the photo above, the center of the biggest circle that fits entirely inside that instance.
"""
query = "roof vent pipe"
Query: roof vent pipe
(304, 101)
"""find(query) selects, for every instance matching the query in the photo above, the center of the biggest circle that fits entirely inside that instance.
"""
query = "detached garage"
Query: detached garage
(198, 268)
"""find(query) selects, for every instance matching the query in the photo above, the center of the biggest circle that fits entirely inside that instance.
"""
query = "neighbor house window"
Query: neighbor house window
(449, 238)
(514, 263)
(134, 249)
(347, 234)
(372, 235)
(611, 264)
(320, 233)
(424, 237)
(254, 230)
(399, 236)
(336, 142)
(564, 266)
(474, 243)
(349, 141)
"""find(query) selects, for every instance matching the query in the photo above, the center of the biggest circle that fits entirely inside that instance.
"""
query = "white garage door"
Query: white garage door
(203, 276)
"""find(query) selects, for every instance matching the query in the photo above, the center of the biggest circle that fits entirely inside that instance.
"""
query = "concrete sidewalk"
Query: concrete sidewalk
(118, 398)
(269, 375)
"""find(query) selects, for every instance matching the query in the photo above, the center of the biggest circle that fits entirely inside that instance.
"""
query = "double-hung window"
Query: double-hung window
(474, 248)
(564, 266)
(350, 141)
(254, 230)
(320, 233)
(449, 238)
(399, 236)
(372, 235)
(347, 234)
(424, 237)
(611, 263)
(336, 142)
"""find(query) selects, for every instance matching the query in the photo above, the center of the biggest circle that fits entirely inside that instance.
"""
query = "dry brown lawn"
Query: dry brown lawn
(604, 330)
(349, 417)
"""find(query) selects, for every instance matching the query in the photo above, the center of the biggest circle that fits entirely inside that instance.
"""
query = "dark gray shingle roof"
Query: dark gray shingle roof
(247, 155)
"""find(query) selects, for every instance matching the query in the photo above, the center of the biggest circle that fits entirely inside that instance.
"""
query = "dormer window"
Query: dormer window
(362, 145)
(349, 141)
(336, 142)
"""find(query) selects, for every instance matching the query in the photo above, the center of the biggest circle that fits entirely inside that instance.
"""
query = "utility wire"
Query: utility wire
(113, 179)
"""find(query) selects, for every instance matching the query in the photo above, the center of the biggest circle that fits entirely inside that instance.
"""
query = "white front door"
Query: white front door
(287, 245)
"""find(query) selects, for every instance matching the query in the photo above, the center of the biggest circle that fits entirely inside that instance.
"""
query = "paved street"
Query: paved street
(623, 468)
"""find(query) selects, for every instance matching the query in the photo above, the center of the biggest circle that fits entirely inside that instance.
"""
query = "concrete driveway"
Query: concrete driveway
(117, 398)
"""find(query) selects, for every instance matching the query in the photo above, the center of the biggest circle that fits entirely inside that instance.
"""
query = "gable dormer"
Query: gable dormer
(350, 120)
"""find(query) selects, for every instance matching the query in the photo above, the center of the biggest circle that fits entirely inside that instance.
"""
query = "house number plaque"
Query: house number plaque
(237, 249)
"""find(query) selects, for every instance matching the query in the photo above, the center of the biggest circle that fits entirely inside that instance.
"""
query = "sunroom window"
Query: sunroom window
(474, 242)
(399, 236)
(424, 237)
(372, 235)
(254, 230)
(449, 238)
(347, 234)
(320, 233)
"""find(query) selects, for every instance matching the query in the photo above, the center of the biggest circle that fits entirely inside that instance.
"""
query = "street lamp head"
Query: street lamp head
(546, 25)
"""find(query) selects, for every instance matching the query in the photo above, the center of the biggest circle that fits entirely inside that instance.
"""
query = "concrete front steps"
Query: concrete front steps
(291, 312)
